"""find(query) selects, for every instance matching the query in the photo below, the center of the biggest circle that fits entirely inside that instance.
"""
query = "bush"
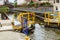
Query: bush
(15, 4)
(4, 9)
(45, 4)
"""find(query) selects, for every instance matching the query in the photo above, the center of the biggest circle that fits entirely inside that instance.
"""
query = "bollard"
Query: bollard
(27, 38)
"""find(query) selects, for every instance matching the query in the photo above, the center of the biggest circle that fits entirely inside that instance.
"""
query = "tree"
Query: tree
(15, 3)
(31, 3)
(46, 4)
(4, 10)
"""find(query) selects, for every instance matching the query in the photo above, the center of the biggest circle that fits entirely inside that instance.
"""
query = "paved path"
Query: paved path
(9, 35)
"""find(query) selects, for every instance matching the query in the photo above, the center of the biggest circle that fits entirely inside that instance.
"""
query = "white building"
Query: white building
(1, 2)
(55, 3)
(19, 2)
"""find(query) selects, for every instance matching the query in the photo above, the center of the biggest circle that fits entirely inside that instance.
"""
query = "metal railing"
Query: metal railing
(33, 9)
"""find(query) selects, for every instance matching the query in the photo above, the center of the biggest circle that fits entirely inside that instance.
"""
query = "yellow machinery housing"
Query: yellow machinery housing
(52, 18)
(29, 16)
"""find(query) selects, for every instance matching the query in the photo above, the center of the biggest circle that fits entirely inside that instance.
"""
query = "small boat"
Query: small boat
(5, 22)
(52, 20)
(26, 20)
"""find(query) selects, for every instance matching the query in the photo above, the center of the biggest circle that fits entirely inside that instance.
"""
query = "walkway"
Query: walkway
(37, 10)
(9, 35)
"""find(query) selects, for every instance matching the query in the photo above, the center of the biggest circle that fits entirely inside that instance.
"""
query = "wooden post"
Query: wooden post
(33, 17)
(48, 18)
(45, 15)
(28, 19)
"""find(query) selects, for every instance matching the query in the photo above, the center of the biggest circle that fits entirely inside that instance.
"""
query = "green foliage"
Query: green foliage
(15, 4)
(45, 4)
(31, 3)
(4, 9)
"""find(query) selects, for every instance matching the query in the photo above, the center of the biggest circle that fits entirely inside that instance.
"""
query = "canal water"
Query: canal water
(42, 33)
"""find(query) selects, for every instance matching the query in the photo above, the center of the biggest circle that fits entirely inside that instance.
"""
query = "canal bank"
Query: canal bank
(10, 35)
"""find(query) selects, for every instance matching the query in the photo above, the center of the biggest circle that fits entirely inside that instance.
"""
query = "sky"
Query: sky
(11, 1)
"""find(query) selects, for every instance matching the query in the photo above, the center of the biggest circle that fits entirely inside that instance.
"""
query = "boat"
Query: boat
(25, 22)
(52, 20)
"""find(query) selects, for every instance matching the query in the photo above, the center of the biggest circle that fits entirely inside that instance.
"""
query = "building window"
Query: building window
(57, 1)
(56, 8)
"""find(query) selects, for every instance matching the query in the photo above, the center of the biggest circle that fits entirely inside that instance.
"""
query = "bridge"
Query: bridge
(37, 10)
